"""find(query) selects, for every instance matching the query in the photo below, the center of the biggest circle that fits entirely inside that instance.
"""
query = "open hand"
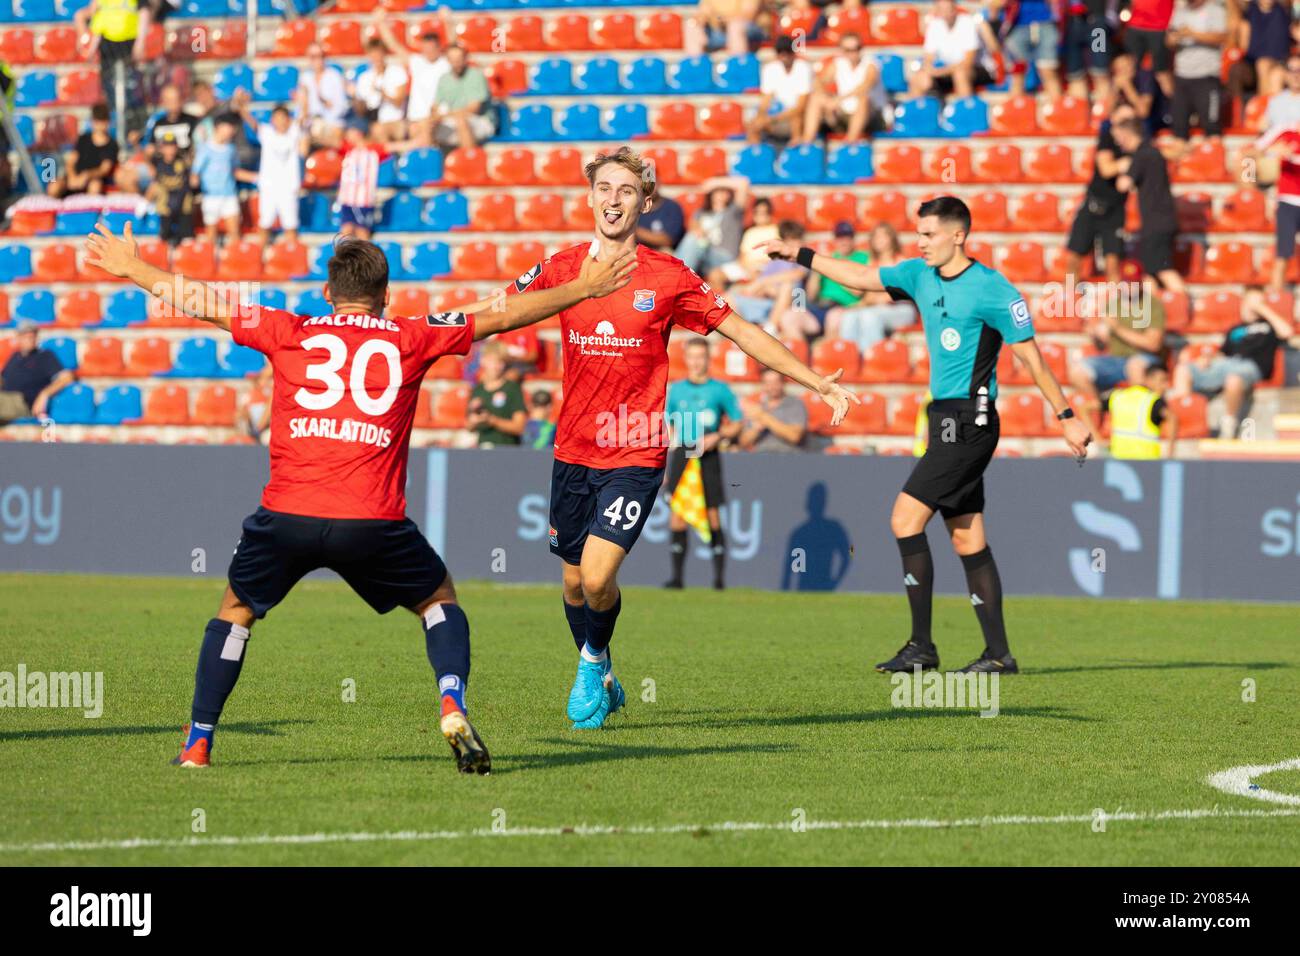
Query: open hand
(779, 249)
(115, 256)
(600, 278)
(836, 396)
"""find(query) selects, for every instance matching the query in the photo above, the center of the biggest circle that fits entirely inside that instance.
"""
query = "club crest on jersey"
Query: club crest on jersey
(445, 318)
(643, 300)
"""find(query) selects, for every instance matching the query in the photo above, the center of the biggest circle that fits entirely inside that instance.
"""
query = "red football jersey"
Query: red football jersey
(616, 356)
(346, 387)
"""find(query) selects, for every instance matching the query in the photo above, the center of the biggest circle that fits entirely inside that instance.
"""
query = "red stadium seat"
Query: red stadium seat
(721, 120)
(78, 308)
(617, 31)
(673, 121)
(354, 6)
(449, 407)
(898, 26)
(148, 356)
(570, 31)
(476, 260)
(196, 259)
(819, 414)
(542, 212)
(660, 31)
(1052, 163)
(56, 133)
(729, 363)
(1195, 211)
(229, 42)
(949, 164)
(1023, 416)
(166, 405)
(1068, 116)
(1193, 420)
(663, 160)
(513, 166)
(1230, 261)
(409, 301)
(1253, 119)
(798, 23)
(286, 260)
(889, 206)
(102, 356)
(849, 20)
(898, 164)
(792, 205)
(424, 404)
(998, 164)
(1204, 162)
(519, 257)
(1020, 261)
(1177, 310)
(902, 418)
(454, 299)
(578, 216)
(322, 169)
(1282, 302)
(988, 211)
(523, 34)
(494, 212)
(241, 261)
(886, 361)
(55, 263)
(80, 88)
(676, 358)
(340, 38)
(56, 45)
(17, 46)
(832, 207)
(869, 418)
(293, 37)
(1015, 116)
(466, 167)
(799, 347)
(1215, 312)
(507, 77)
(703, 163)
(562, 167)
(1010, 371)
(214, 405)
(1038, 212)
(449, 367)
(1243, 211)
(831, 354)
(1054, 312)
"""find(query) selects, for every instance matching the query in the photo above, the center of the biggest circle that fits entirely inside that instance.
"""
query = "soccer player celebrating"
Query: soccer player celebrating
(968, 311)
(610, 441)
(344, 400)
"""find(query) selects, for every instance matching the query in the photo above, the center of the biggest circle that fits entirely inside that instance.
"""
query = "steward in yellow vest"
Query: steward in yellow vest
(1137, 415)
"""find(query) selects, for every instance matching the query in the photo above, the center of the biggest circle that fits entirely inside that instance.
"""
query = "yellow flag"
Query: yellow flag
(688, 500)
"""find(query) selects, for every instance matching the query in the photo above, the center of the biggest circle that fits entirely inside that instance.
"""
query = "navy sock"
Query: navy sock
(446, 638)
(577, 617)
(600, 625)
(221, 658)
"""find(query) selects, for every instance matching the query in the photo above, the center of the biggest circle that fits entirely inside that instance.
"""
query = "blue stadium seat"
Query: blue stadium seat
(396, 262)
(801, 165)
(849, 164)
(26, 129)
(388, 173)
(34, 11)
(915, 118)
(757, 163)
(205, 8)
(116, 221)
(240, 361)
(316, 213)
(67, 9)
(271, 298)
(119, 404)
(74, 405)
(64, 349)
(35, 89)
(580, 121)
(446, 211)
(195, 358)
(692, 75)
(311, 302)
(231, 78)
(276, 84)
(402, 213)
(736, 74)
(75, 223)
(893, 71)
(598, 77)
(318, 264)
(126, 307)
(15, 262)
(551, 77)
(645, 76)
(36, 305)
(627, 121)
(430, 260)
(964, 117)
(532, 123)
(417, 168)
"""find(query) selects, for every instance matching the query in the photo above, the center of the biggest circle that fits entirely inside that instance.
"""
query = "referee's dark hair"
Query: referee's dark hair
(947, 209)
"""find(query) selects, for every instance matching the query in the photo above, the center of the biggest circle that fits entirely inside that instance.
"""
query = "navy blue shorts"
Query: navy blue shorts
(361, 216)
(611, 503)
(388, 563)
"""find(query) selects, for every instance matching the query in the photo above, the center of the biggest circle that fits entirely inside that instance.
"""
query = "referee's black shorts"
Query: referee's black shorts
(949, 477)
(710, 472)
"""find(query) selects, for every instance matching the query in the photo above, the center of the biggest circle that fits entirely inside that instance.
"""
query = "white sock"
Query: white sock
(589, 655)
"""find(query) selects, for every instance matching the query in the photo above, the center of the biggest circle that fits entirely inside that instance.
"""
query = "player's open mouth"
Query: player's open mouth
(613, 215)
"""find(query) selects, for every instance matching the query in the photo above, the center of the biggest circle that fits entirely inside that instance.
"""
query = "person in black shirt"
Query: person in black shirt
(171, 193)
(1100, 219)
(663, 226)
(90, 163)
(30, 378)
(1145, 170)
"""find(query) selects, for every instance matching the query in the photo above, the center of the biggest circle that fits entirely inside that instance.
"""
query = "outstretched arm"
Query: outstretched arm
(1078, 433)
(121, 258)
(761, 347)
(595, 280)
(855, 275)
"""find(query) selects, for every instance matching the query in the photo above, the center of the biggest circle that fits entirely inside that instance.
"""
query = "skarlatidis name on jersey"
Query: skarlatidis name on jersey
(344, 429)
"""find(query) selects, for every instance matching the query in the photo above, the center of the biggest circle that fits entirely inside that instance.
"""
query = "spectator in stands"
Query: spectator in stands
(380, 93)
(858, 101)
(116, 30)
(722, 25)
(1197, 32)
(30, 378)
(1087, 48)
(170, 117)
(1032, 38)
(1139, 415)
(663, 226)
(464, 111)
(426, 69)
(785, 85)
(876, 315)
(240, 104)
(749, 262)
(496, 410)
(1284, 108)
(254, 415)
(951, 61)
(1245, 358)
(774, 421)
(322, 97)
(171, 192)
(523, 350)
(358, 196)
(279, 176)
(1129, 337)
(1145, 169)
(713, 238)
(770, 294)
(1100, 218)
(1264, 35)
(1145, 36)
(217, 177)
(807, 312)
(539, 430)
(1283, 143)
(89, 165)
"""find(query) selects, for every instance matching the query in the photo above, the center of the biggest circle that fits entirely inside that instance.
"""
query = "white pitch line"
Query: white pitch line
(583, 830)
(1237, 781)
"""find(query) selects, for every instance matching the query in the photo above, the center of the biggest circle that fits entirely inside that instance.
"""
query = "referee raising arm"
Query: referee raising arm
(968, 311)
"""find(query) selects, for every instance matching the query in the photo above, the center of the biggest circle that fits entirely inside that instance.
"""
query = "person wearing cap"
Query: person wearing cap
(31, 377)
(785, 84)
(170, 191)
(804, 317)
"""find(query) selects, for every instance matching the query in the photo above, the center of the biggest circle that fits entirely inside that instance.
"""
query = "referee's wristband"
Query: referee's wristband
(805, 256)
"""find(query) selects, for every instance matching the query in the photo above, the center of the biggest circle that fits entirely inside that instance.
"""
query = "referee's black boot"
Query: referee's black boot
(911, 656)
(985, 664)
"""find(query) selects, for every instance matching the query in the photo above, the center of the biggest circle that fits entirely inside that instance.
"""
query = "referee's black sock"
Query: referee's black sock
(986, 596)
(678, 549)
(719, 557)
(918, 576)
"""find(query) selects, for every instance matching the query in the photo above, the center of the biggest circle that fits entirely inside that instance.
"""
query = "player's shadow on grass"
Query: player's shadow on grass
(723, 720)
(1159, 666)
(596, 752)
(265, 728)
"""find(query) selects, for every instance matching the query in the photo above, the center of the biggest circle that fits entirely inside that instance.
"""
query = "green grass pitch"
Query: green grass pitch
(765, 712)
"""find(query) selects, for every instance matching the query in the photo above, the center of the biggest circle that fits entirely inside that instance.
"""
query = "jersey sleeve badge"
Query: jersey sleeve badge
(1020, 313)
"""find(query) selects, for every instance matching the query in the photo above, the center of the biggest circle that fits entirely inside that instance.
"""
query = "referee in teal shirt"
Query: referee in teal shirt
(702, 412)
(968, 311)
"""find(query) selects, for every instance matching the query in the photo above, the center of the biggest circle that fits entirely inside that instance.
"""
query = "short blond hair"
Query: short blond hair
(630, 160)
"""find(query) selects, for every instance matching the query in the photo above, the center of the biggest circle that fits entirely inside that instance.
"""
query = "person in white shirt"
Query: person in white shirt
(858, 101)
(425, 68)
(279, 174)
(381, 92)
(1284, 108)
(322, 98)
(952, 55)
(785, 84)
